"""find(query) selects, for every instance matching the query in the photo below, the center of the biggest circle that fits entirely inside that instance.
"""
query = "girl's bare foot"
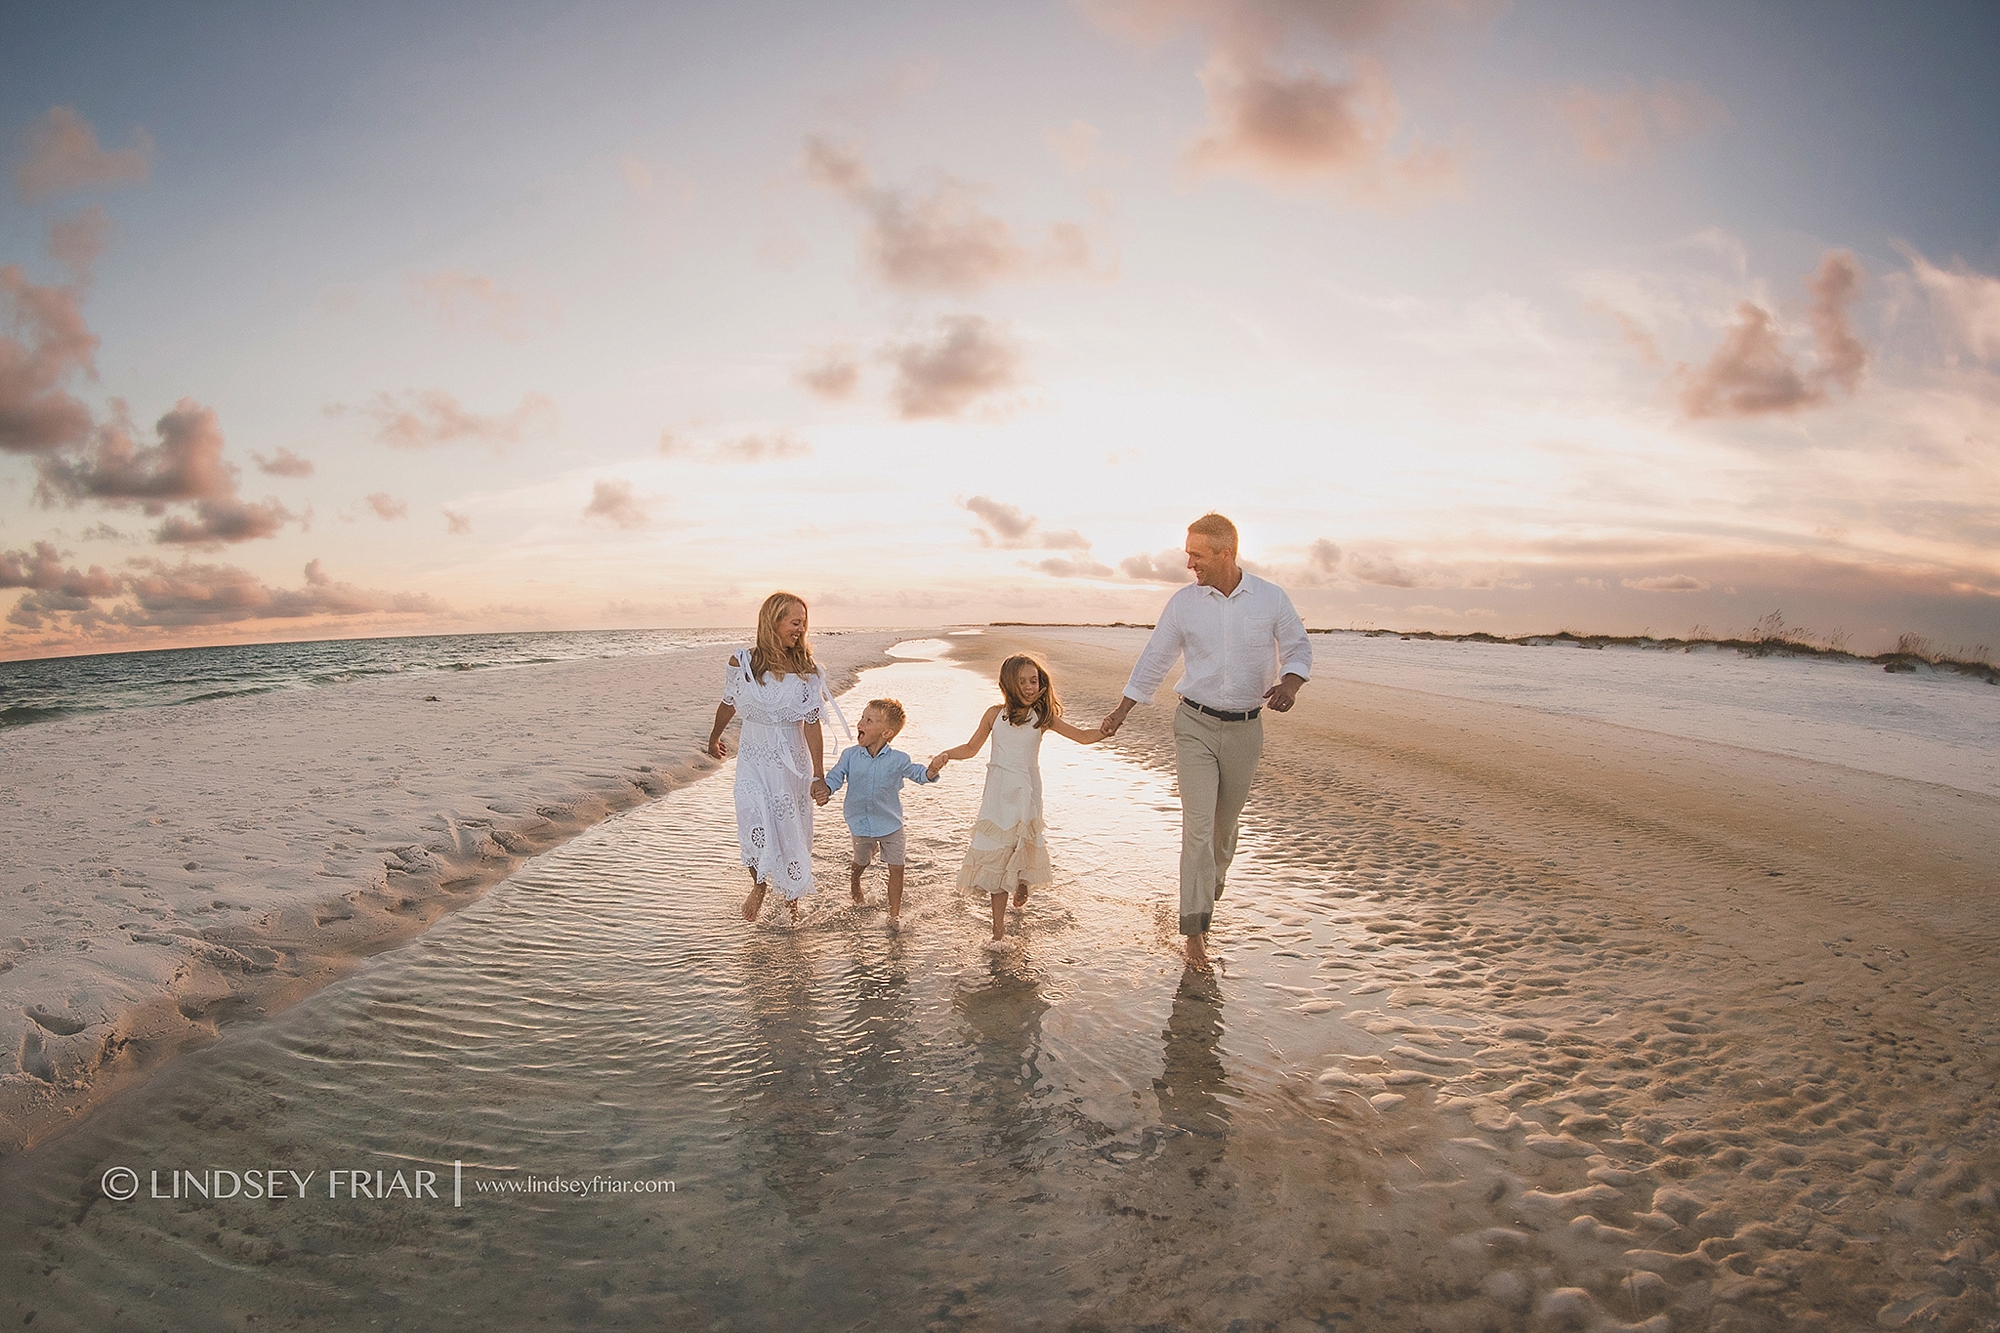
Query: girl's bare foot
(1020, 895)
(754, 903)
(895, 925)
(792, 905)
(995, 946)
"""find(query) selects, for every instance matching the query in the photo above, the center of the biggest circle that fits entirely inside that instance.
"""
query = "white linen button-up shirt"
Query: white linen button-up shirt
(1236, 646)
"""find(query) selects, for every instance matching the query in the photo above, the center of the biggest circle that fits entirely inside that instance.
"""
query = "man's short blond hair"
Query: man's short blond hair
(1217, 529)
(891, 711)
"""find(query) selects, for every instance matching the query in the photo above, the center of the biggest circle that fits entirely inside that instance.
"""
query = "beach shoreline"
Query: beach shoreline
(182, 868)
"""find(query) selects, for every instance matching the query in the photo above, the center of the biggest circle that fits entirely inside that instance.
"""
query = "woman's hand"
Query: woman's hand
(718, 748)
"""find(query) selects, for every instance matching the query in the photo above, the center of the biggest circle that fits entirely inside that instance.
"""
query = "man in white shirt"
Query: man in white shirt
(1237, 633)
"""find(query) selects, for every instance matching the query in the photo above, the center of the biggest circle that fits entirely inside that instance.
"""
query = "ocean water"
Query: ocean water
(44, 688)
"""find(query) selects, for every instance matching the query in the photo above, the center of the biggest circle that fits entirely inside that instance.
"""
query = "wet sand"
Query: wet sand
(1523, 1022)
(1706, 1033)
(171, 870)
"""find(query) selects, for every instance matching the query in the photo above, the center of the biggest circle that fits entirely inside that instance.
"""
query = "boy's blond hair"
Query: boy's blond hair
(891, 711)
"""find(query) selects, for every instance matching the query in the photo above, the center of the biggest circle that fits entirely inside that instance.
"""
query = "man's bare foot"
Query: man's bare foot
(754, 903)
(1196, 954)
(1020, 895)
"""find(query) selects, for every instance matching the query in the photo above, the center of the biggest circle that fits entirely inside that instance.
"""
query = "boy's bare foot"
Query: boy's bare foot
(754, 903)
(1020, 895)
(1196, 954)
(856, 896)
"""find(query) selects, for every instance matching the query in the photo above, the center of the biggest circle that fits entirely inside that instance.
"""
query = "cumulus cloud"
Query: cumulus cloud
(831, 373)
(1634, 122)
(185, 467)
(1169, 566)
(42, 570)
(966, 358)
(1965, 302)
(457, 525)
(1381, 571)
(1004, 525)
(943, 241)
(47, 343)
(284, 463)
(1082, 567)
(61, 155)
(473, 300)
(1302, 125)
(1753, 373)
(1664, 583)
(157, 594)
(1272, 117)
(423, 418)
(387, 506)
(611, 501)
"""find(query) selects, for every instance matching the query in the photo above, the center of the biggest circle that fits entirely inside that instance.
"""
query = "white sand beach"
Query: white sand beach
(167, 869)
(1523, 1020)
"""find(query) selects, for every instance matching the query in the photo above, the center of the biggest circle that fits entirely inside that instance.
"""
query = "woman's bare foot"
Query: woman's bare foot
(895, 925)
(754, 903)
(1020, 895)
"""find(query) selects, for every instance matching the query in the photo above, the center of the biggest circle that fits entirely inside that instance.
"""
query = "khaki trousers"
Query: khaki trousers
(1214, 761)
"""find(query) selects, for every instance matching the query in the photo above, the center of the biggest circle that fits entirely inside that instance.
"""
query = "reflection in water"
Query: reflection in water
(1193, 1087)
(863, 1129)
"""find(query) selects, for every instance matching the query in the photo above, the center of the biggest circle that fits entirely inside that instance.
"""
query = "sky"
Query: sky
(341, 321)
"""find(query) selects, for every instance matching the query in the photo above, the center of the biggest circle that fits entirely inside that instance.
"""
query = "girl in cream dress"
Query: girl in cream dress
(1009, 848)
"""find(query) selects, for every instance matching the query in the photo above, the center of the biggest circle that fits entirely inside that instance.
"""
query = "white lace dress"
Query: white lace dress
(1008, 843)
(774, 807)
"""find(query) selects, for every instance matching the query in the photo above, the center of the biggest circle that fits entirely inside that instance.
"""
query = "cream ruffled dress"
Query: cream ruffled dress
(1009, 846)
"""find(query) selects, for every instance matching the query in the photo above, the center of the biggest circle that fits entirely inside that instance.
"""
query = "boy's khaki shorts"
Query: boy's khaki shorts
(890, 844)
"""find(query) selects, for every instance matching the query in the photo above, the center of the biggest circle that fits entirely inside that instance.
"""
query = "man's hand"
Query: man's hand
(1115, 718)
(1284, 694)
(821, 793)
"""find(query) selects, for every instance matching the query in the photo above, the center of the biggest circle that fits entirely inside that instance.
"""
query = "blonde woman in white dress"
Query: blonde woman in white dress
(1010, 851)
(779, 691)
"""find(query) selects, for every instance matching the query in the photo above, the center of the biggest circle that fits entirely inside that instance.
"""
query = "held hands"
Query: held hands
(935, 767)
(820, 792)
(1115, 719)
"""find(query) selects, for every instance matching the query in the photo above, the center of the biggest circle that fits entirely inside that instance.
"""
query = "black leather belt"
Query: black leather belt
(1218, 713)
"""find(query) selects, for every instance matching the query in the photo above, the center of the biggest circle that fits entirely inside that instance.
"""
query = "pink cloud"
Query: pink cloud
(1080, 568)
(833, 373)
(1752, 373)
(424, 418)
(1169, 566)
(1633, 123)
(1303, 126)
(612, 502)
(1965, 301)
(387, 506)
(42, 570)
(48, 343)
(966, 358)
(753, 447)
(157, 594)
(62, 156)
(284, 463)
(1005, 525)
(77, 243)
(457, 525)
(940, 242)
(1381, 571)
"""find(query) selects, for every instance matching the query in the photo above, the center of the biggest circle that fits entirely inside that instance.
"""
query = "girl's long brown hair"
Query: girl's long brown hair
(1044, 710)
(769, 654)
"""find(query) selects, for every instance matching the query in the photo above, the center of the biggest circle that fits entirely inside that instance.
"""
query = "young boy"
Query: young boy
(874, 775)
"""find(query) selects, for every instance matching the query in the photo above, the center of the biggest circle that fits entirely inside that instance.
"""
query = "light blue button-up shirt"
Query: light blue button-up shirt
(874, 802)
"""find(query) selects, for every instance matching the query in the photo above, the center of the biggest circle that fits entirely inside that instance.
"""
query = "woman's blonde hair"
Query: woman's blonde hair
(769, 654)
(1044, 710)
